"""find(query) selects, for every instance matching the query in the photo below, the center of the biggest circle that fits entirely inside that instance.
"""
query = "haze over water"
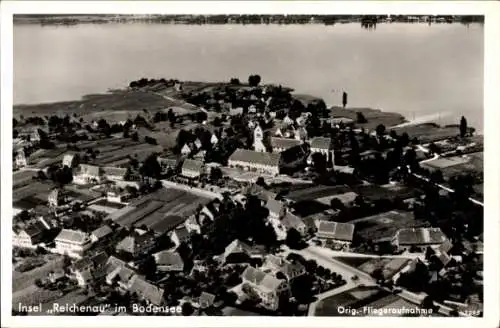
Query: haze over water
(414, 69)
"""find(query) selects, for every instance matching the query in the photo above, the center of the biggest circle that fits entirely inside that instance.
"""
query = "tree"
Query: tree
(463, 127)
(215, 174)
(336, 204)
(344, 99)
(360, 118)
(235, 81)
(254, 80)
(187, 309)
(151, 168)
(261, 182)
(319, 162)
(294, 239)
(135, 136)
(380, 130)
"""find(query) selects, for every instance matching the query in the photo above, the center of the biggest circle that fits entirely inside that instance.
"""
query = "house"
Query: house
(31, 236)
(300, 133)
(87, 174)
(90, 269)
(73, 243)
(405, 239)
(292, 221)
(70, 160)
(117, 272)
(267, 287)
(168, 261)
(337, 121)
(214, 140)
(206, 300)
(56, 198)
(186, 150)
(198, 143)
(168, 163)
(114, 173)
(276, 208)
(180, 235)
(21, 159)
(237, 250)
(256, 161)
(274, 264)
(334, 234)
(192, 168)
(281, 144)
(146, 291)
(139, 243)
(115, 196)
(323, 146)
(101, 233)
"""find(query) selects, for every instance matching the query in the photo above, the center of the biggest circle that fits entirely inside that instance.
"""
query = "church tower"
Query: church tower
(258, 139)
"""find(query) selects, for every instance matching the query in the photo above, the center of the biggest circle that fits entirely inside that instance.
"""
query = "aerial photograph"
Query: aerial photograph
(247, 165)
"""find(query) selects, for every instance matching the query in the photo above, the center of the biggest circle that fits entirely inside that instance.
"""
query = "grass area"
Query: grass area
(22, 178)
(385, 225)
(116, 106)
(428, 132)
(374, 117)
(21, 280)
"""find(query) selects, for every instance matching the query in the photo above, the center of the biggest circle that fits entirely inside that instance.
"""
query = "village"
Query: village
(245, 199)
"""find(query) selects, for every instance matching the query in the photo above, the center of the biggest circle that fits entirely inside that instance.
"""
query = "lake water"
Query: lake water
(414, 69)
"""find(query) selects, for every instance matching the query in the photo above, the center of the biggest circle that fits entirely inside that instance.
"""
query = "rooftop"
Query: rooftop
(284, 143)
(255, 157)
(420, 236)
(336, 230)
(321, 143)
(72, 236)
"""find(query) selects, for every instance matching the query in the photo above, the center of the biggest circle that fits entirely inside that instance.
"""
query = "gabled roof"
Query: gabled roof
(260, 279)
(321, 143)
(181, 232)
(115, 171)
(168, 258)
(192, 165)
(72, 236)
(34, 229)
(129, 243)
(282, 265)
(255, 157)
(87, 169)
(102, 231)
(68, 158)
(292, 221)
(336, 230)
(284, 143)
(237, 246)
(274, 206)
(146, 290)
(206, 299)
(97, 261)
(420, 236)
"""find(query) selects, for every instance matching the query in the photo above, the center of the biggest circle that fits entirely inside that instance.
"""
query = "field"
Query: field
(36, 189)
(383, 226)
(113, 107)
(374, 192)
(22, 178)
(316, 192)
(451, 166)
(428, 132)
(160, 211)
(374, 117)
(22, 280)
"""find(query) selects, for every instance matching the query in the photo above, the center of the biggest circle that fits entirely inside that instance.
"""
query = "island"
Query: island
(175, 197)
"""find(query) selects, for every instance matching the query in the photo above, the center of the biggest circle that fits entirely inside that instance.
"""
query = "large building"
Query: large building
(335, 235)
(267, 287)
(73, 243)
(138, 243)
(87, 174)
(405, 239)
(192, 168)
(31, 236)
(256, 161)
(258, 140)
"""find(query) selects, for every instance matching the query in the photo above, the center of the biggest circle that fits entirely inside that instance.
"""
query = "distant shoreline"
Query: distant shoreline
(366, 20)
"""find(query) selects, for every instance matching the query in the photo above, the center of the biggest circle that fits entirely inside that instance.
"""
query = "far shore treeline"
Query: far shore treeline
(73, 19)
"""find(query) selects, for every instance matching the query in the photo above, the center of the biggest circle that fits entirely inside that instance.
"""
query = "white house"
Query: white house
(73, 243)
(180, 235)
(30, 236)
(192, 168)
(87, 174)
(266, 286)
(70, 160)
(56, 198)
(21, 159)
